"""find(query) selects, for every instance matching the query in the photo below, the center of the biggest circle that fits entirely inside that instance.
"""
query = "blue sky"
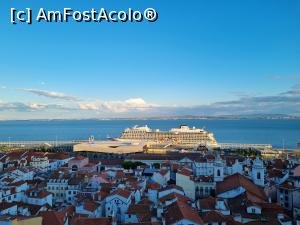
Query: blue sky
(200, 57)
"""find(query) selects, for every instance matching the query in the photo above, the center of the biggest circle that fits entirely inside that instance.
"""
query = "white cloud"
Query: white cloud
(129, 105)
(36, 106)
(287, 102)
(90, 105)
(136, 102)
(51, 94)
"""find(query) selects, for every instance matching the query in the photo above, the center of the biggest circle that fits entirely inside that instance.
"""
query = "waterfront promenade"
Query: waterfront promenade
(55, 143)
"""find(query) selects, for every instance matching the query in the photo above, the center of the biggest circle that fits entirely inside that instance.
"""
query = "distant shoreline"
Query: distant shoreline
(165, 118)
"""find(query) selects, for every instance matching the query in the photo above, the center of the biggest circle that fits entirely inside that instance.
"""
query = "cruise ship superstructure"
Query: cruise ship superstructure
(183, 136)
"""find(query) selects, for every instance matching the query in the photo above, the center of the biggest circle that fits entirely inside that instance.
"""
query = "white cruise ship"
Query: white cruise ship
(182, 136)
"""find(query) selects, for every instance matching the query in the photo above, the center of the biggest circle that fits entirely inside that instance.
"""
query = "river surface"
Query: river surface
(279, 133)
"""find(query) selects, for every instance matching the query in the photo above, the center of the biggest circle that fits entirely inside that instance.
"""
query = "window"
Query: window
(218, 173)
(258, 175)
(253, 210)
(74, 168)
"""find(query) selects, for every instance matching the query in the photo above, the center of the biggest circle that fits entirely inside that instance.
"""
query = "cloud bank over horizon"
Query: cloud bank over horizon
(67, 106)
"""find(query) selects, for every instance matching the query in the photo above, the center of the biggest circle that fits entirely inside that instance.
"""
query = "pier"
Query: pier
(57, 146)
(54, 143)
(244, 146)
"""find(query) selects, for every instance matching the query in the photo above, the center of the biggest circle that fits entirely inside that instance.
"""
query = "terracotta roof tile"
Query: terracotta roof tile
(287, 185)
(172, 186)
(90, 206)
(52, 218)
(177, 196)
(214, 217)
(236, 180)
(185, 172)
(207, 203)
(7, 205)
(154, 186)
(178, 211)
(91, 221)
(163, 172)
(121, 192)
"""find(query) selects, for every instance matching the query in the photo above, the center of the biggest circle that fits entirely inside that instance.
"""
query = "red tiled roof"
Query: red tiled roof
(78, 158)
(287, 185)
(280, 164)
(16, 155)
(119, 174)
(91, 221)
(163, 172)
(102, 194)
(18, 183)
(201, 160)
(165, 164)
(236, 180)
(174, 195)
(122, 192)
(203, 178)
(40, 194)
(7, 205)
(33, 209)
(90, 206)
(172, 186)
(154, 186)
(57, 156)
(214, 217)
(52, 218)
(271, 209)
(207, 203)
(275, 173)
(138, 209)
(178, 211)
(185, 172)
(7, 180)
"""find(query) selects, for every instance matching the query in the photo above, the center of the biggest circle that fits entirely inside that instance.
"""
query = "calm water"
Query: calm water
(273, 132)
